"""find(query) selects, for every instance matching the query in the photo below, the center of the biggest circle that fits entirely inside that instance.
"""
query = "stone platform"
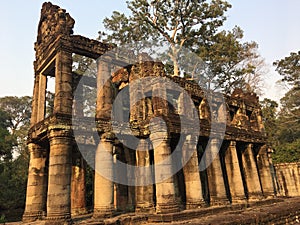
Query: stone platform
(272, 211)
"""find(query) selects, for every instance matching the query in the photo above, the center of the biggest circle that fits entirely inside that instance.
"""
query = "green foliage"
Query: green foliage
(2, 219)
(179, 23)
(49, 103)
(289, 117)
(288, 121)
(86, 69)
(13, 177)
(269, 113)
(195, 25)
(232, 63)
(7, 141)
(287, 152)
(83, 65)
(14, 125)
(289, 68)
(19, 111)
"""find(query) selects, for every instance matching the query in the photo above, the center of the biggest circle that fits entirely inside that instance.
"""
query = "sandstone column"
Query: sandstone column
(144, 193)
(105, 91)
(78, 190)
(35, 100)
(234, 174)
(121, 174)
(251, 173)
(78, 205)
(130, 156)
(63, 100)
(216, 183)
(193, 188)
(104, 186)
(164, 177)
(60, 168)
(41, 98)
(265, 174)
(35, 206)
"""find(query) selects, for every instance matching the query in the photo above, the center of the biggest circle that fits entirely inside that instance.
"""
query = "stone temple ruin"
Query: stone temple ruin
(241, 172)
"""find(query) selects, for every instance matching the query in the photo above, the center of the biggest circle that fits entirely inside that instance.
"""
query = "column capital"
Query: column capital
(232, 143)
(60, 133)
(250, 146)
(108, 137)
(105, 59)
(159, 137)
(37, 151)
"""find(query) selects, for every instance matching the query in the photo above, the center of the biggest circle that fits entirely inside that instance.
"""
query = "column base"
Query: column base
(79, 211)
(195, 205)
(58, 216)
(145, 208)
(58, 222)
(32, 216)
(104, 213)
(269, 195)
(167, 208)
(219, 201)
(255, 197)
(58, 219)
(239, 200)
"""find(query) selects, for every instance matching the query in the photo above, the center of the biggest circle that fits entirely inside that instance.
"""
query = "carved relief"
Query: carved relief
(54, 22)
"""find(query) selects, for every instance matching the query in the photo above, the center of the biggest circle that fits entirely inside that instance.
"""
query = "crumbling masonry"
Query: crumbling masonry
(241, 172)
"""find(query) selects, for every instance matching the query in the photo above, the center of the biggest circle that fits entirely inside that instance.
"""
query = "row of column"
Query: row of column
(49, 190)
(245, 175)
(49, 179)
(50, 168)
(51, 175)
(243, 180)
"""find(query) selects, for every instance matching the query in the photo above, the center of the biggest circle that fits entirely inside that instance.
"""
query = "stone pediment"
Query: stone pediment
(54, 22)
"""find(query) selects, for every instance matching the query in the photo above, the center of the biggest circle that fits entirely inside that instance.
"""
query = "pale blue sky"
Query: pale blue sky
(273, 24)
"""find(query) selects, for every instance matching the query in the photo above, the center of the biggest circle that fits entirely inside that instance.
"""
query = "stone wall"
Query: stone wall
(288, 178)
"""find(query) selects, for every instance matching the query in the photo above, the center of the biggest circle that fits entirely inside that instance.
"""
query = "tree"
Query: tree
(289, 68)
(13, 176)
(14, 124)
(288, 122)
(289, 116)
(19, 110)
(194, 25)
(179, 23)
(232, 64)
(269, 113)
(86, 70)
(7, 141)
